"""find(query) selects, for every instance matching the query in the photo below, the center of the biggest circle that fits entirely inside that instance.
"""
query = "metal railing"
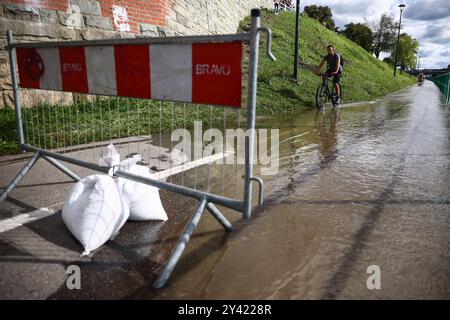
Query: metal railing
(443, 83)
(45, 132)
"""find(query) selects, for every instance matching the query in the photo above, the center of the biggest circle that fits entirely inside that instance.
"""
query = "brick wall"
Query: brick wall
(140, 11)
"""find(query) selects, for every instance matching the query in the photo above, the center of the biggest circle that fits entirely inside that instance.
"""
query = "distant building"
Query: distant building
(431, 71)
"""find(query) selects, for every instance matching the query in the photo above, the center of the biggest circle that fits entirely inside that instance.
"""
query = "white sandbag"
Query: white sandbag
(178, 157)
(95, 211)
(143, 200)
(130, 162)
(110, 157)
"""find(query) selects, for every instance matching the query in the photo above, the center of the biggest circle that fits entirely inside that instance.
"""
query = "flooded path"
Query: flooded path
(365, 185)
(368, 184)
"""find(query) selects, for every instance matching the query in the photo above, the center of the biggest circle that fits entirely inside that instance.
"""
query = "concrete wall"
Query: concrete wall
(53, 20)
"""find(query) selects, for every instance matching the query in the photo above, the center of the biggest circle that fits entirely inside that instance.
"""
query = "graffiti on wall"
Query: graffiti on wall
(120, 17)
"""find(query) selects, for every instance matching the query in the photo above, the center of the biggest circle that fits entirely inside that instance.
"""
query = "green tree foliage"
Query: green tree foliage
(361, 34)
(407, 51)
(322, 14)
(384, 35)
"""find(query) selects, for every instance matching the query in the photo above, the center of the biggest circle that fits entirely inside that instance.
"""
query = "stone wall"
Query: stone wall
(188, 17)
(56, 20)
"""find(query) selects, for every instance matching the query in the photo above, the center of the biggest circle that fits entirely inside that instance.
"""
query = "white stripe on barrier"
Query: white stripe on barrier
(51, 78)
(171, 72)
(101, 72)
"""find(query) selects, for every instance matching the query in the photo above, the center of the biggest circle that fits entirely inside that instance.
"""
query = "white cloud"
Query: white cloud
(428, 10)
(434, 56)
(426, 20)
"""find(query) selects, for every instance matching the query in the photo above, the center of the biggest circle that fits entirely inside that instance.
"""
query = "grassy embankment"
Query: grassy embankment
(364, 78)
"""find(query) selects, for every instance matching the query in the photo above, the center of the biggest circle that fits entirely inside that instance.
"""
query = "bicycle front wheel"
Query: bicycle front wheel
(321, 97)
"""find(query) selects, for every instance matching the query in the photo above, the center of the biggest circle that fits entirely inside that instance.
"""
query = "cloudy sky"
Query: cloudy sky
(426, 20)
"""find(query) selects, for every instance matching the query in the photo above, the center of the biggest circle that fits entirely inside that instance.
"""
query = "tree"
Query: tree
(288, 4)
(384, 35)
(322, 14)
(361, 34)
(407, 51)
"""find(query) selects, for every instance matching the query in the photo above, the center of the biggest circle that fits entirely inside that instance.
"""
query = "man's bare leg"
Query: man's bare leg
(337, 89)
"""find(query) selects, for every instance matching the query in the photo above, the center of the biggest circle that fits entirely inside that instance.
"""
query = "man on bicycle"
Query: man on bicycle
(334, 69)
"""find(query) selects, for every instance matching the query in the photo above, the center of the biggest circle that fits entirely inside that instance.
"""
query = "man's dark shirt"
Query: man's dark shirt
(332, 62)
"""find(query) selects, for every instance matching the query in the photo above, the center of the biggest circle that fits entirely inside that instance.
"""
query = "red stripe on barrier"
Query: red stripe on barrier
(30, 67)
(133, 70)
(217, 73)
(73, 69)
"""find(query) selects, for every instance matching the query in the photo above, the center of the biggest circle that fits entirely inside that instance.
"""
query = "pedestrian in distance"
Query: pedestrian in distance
(276, 6)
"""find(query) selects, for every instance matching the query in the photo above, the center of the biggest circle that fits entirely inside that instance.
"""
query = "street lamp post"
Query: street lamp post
(418, 61)
(297, 30)
(401, 6)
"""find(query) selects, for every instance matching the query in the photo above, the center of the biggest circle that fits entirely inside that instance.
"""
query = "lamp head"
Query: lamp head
(402, 6)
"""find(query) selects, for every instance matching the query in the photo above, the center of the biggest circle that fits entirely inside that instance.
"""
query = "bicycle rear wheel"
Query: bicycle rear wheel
(321, 97)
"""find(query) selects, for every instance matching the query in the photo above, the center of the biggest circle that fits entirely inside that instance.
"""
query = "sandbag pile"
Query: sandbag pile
(143, 200)
(99, 205)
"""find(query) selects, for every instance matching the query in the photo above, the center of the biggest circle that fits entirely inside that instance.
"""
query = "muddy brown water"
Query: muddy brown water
(367, 184)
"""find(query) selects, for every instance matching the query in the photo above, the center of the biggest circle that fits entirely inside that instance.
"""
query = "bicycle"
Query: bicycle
(325, 95)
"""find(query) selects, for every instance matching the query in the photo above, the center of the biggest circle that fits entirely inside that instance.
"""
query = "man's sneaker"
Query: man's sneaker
(337, 99)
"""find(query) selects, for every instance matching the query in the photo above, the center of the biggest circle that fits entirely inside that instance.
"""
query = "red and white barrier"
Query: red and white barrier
(205, 73)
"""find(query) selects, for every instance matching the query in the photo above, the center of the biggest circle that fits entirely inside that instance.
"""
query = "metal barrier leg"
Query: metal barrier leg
(251, 112)
(15, 87)
(219, 217)
(261, 190)
(180, 246)
(61, 167)
(19, 176)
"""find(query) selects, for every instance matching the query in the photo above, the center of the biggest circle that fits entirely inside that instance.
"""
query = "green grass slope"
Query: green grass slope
(364, 76)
